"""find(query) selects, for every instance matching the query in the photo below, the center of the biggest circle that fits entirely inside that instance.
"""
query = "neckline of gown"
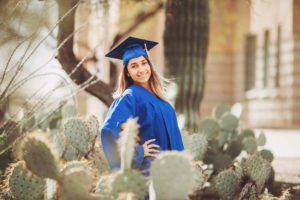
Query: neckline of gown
(147, 91)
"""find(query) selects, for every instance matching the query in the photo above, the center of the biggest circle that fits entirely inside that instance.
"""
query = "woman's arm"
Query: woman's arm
(122, 109)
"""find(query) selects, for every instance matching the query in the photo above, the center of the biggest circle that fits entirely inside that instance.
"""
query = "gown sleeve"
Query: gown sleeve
(121, 109)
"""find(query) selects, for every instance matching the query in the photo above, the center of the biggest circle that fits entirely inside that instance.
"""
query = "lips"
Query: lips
(144, 75)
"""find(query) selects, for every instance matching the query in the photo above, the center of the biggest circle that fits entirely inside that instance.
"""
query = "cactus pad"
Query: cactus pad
(172, 175)
(229, 122)
(22, 184)
(40, 156)
(129, 181)
(227, 183)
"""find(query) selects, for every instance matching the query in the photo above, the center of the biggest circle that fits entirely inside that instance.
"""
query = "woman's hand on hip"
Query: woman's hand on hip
(149, 149)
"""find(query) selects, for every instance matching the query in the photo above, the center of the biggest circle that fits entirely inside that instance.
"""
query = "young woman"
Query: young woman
(140, 93)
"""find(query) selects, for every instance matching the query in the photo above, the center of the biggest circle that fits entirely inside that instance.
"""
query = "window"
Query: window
(278, 56)
(250, 61)
(266, 58)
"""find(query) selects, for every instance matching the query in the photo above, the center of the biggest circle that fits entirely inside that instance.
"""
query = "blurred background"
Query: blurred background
(244, 53)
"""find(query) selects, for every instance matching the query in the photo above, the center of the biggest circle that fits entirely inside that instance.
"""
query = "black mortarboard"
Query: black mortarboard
(131, 47)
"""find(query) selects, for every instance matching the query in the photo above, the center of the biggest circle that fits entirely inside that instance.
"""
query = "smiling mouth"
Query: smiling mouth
(142, 76)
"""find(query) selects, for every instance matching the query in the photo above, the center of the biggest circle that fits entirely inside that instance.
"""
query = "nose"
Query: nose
(140, 69)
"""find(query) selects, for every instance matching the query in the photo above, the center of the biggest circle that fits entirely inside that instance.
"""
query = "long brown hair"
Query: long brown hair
(157, 82)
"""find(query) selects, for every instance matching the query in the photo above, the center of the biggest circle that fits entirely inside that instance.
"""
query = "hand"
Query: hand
(149, 148)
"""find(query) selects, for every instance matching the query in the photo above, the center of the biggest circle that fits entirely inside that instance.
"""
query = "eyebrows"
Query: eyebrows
(135, 63)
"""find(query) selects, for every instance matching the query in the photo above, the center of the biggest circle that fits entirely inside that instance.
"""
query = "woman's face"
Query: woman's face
(139, 70)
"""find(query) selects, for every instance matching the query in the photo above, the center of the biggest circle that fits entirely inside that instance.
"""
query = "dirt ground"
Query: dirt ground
(287, 175)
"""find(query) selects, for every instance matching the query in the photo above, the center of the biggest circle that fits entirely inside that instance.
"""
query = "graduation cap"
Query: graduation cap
(131, 47)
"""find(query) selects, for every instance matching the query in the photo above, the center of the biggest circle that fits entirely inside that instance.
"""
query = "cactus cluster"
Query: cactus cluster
(226, 138)
(220, 143)
(68, 163)
(43, 155)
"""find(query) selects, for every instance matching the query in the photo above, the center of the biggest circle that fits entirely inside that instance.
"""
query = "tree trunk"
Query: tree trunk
(68, 60)
(66, 56)
(186, 44)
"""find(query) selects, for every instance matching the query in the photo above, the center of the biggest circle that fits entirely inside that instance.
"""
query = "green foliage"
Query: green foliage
(104, 187)
(196, 143)
(81, 134)
(76, 182)
(19, 183)
(226, 141)
(229, 122)
(9, 132)
(258, 170)
(234, 148)
(227, 183)
(250, 145)
(40, 156)
(210, 127)
(266, 154)
(129, 181)
(220, 109)
(261, 140)
(172, 175)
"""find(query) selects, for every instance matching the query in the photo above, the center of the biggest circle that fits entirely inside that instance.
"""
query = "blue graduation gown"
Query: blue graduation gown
(156, 117)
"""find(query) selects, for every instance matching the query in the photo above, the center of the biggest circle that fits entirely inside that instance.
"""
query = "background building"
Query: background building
(253, 59)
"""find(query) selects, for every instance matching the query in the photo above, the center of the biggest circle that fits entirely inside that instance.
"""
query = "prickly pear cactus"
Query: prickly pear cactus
(247, 133)
(221, 109)
(104, 187)
(229, 122)
(250, 145)
(40, 156)
(196, 143)
(58, 138)
(98, 160)
(258, 169)
(70, 153)
(261, 140)
(266, 154)
(82, 164)
(210, 127)
(76, 182)
(129, 181)
(81, 134)
(227, 184)
(127, 142)
(200, 176)
(234, 148)
(172, 176)
(21, 184)
(221, 161)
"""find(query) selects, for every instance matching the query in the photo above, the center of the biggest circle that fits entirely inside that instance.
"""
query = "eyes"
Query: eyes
(135, 65)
